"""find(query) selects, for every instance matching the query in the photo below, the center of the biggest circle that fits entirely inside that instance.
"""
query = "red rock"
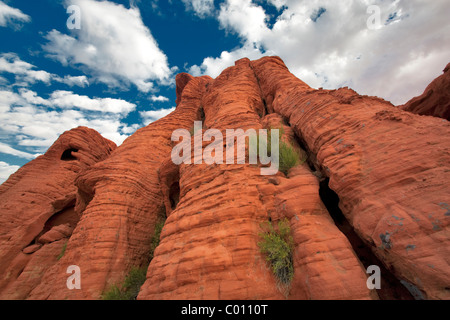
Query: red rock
(55, 234)
(388, 167)
(209, 245)
(182, 79)
(435, 101)
(42, 192)
(120, 200)
(32, 249)
(31, 270)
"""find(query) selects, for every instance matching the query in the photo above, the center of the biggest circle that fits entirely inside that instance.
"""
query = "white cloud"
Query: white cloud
(11, 16)
(30, 96)
(154, 115)
(159, 99)
(4, 148)
(7, 98)
(6, 170)
(130, 129)
(25, 74)
(113, 45)
(395, 62)
(11, 63)
(214, 66)
(69, 100)
(202, 8)
(244, 17)
(34, 123)
(80, 81)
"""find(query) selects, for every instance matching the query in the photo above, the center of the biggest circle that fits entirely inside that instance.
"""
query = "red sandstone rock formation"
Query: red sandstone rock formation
(120, 200)
(386, 169)
(389, 168)
(37, 209)
(435, 101)
(212, 234)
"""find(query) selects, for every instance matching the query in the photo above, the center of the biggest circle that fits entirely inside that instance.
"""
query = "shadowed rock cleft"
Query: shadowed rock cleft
(362, 183)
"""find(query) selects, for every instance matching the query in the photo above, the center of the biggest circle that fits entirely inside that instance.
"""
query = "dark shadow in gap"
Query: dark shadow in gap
(391, 287)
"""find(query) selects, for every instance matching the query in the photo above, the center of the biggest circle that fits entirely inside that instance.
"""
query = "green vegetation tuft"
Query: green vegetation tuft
(277, 245)
(289, 157)
(133, 282)
(154, 243)
(129, 290)
(63, 251)
(114, 293)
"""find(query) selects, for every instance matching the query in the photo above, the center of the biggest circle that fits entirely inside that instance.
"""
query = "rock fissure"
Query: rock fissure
(358, 200)
(391, 287)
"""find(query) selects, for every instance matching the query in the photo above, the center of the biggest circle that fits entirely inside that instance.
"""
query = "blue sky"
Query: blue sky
(116, 73)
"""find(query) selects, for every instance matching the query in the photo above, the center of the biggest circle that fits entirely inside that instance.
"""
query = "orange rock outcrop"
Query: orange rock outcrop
(435, 101)
(37, 209)
(371, 187)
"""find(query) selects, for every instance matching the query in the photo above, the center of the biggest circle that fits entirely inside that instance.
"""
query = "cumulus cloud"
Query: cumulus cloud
(69, 100)
(214, 66)
(11, 16)
(24, 71)
(32, 123)
(154, 115)
(26, 74)
(6, 170)
(4, 148)
(202, 8)
(245, 18)
(159, 99)
(80, 81)
(327, 43)
(113, 46)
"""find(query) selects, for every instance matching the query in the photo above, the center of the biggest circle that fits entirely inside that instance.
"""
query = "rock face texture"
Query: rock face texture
(435, 101)
(371, 188)
(37, 209)
(120, 200)
(388, 167)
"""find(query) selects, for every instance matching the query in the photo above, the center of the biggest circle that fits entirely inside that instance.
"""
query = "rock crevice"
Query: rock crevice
(370, 188)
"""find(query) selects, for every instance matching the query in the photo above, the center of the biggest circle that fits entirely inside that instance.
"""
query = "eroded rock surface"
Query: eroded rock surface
(435, 101)
(120, 200)
(37, 209)
(386, 169)
(389, 168)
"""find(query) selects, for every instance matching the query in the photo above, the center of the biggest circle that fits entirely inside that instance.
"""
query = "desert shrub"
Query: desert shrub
(154, 243)
(129, 290)
(277, 245)
(114, 293)
(289, 157)
(134, 281)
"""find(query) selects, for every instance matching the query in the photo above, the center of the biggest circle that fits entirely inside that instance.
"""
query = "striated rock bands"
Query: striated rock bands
(119, 200)
(435, 101)
(370, 188)
(37, 209)
(389, 168)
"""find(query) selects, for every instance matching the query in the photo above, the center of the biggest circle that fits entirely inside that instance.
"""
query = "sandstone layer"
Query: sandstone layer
(120, 200)
(37, 209)
(389, 168)
(370, 188)
(435, 101)
(209, 244)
